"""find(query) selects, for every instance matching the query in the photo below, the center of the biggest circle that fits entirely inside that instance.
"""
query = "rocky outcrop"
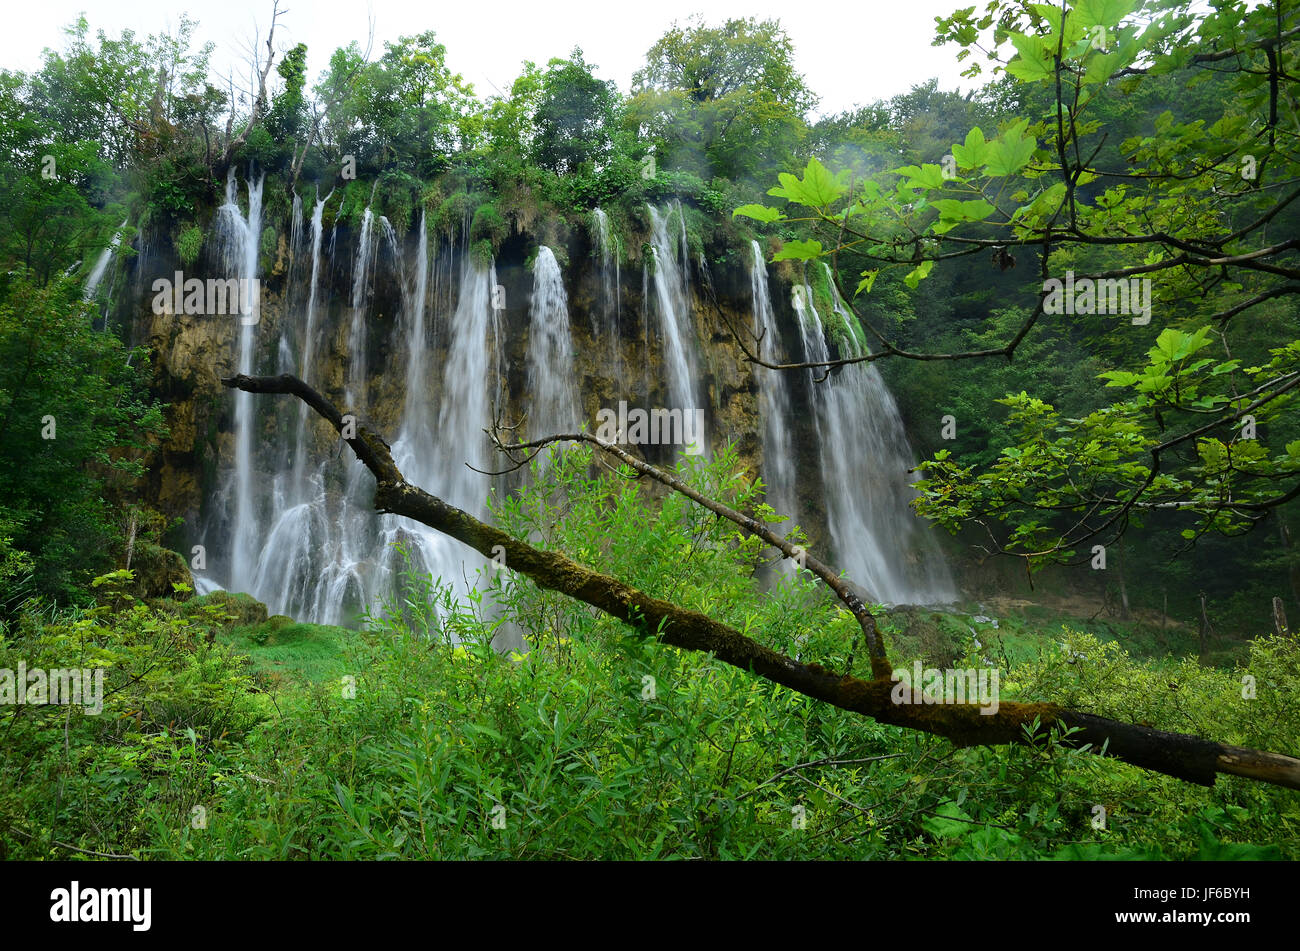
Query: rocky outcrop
(157, 571)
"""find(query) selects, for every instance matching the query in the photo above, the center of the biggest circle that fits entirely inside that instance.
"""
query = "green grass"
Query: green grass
(282, 651)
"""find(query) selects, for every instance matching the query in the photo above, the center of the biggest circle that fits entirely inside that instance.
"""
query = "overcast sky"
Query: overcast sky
(850, 52)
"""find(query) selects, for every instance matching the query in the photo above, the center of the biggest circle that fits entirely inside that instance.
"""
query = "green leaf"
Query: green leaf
(817, 189)
(1011, 151)
(1120, 377)
(1174, 345)
(1034, 63)
(759, 212)
(974, 153)
(924, 176)
(799, 250)
(1049, 13)
(948, 822)
(918, 274)
(868, 281)
(976, 210)
(1102, 66)
(1107, 13)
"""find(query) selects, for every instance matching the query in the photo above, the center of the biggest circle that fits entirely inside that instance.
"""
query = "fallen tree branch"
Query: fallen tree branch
(880, 668)
(1190, 758)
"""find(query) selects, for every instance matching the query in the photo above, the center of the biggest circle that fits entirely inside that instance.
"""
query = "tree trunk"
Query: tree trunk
(1279, 617)
(259, 97)
(1206, 630)
(1293, 561)
(1123, 588)
(130, 539)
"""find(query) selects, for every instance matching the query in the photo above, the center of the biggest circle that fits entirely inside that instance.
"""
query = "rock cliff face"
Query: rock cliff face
(374, 303)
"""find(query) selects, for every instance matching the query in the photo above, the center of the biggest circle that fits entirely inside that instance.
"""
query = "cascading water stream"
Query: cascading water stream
(308, 349)
(394, 246)
(327, 556)
(609, 321)
(552, 407)
(416, 444)
(672, 306)
(773, 398)
(443, 464)
(362, 272)
(295, 235)
(101, 264)
(465, 411)
(238, 241)
(417, 416)
(864, 461)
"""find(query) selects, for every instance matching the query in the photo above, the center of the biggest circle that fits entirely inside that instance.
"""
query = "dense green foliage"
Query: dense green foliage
(598, 743)
(74, 416)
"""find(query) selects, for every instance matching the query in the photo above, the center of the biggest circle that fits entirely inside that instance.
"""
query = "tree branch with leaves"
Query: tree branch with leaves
(1187, 208)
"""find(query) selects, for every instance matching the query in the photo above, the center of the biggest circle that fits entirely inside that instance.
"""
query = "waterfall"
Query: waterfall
(672, 306)
(326, 555)
(865, 456)
(395, 247)
(295, 234)
(308, 348)
(773, 397)
(416, 443)
(299, 530)
(101, 264)
(464, 414)
(552, 407)
(609, 321)
(362, 271)
(238, 241)
(466, 411)
(417, 419)
(436, 459)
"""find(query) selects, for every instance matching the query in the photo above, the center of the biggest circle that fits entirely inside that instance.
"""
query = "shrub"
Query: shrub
(189, 242)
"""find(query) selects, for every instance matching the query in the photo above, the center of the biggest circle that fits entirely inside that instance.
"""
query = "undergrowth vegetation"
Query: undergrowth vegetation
(422, 737)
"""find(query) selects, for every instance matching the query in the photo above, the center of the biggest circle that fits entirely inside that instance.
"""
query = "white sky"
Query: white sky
(850, 52)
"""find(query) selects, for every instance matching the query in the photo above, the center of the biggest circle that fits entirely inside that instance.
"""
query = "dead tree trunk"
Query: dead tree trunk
(1293, 562)
(259, 95)
(1124, 610)
(1206, 630)
(1190, 758)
